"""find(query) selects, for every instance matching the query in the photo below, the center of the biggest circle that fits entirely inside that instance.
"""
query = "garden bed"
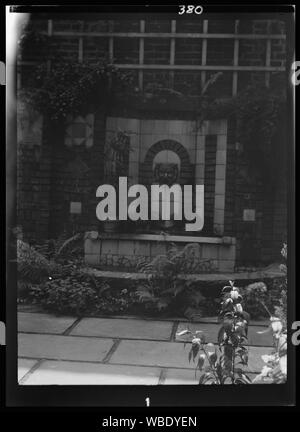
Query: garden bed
(166, 287)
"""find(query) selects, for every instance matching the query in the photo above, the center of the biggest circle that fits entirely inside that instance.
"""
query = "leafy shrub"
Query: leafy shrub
(32, 265)
(165, 289)
(80, 293)
(275, 369)
(263, 302)
(51, 259)
(69, 295)
(73, 87)
(115, 301)
(62, 248)
(228, 364)
(256, 297)
(281, 286)
(225, 365)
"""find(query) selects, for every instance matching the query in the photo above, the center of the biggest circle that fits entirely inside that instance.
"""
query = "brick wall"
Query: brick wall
(76, 174)
(33, 190)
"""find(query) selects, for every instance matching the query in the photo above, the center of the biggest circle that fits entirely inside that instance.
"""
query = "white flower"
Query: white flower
(276, 324)
(265, 371)
(234, 294)
(268, 358)
(283, 364)
(282, 345)
(183, 332)
(210, 347)
(239, 308)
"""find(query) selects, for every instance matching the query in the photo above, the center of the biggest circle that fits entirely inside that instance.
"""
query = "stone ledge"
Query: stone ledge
(94, 235)
(204, 277)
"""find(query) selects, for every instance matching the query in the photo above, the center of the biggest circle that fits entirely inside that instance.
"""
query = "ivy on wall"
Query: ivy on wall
(78, 88)
(260, 114)
(73, 87)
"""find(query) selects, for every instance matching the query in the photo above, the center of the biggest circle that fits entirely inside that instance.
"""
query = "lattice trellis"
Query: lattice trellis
(173, 36)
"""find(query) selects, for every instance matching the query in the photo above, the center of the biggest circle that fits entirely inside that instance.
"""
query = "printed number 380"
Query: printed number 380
(190, 9)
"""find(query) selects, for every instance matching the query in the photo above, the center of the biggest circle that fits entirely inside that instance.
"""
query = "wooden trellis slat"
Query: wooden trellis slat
(235, 60)
(172, 67)
(169, 35)
(80, 49)
(204, 68)
(49, 33)
(268, 56)
(187, 67)
(141, 55)
(172, 51)
(204, 53)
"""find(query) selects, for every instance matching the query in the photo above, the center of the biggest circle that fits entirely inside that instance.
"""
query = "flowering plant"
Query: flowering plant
(224, 365)
(275, 369)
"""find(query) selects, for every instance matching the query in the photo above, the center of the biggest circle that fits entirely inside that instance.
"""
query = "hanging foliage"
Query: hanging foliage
(259, 112)
(73, 87)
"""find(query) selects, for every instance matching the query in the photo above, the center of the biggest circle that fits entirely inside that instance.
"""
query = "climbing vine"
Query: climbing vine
(73, 87)
(259, 112)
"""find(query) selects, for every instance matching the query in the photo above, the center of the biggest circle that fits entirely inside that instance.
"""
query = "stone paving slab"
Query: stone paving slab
(124, 328)
(80, 373)
(30, 308)
(43, 323)
(180, 377)
(171, 354)
(255, 362)
(63, 347)
(24, 366)
(211, 333)
(150, 353)
(187, 377)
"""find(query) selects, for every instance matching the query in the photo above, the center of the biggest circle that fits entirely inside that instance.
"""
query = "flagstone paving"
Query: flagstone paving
(24, 366)
(151, 353)
(79, 373)
(63, 347)
(43, 323)
(120, 328)
(100, 351)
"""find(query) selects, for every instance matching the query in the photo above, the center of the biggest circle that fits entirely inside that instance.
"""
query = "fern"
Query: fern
(69, 244)
(32, 265)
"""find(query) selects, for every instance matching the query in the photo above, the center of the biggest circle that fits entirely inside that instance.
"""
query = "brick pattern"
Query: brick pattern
(33, 192)
(221, 26)
(156, 51)
(75, 175)
(209, 183)
(230, 194)
(219, 52)
(188, 51)
(158, 26)
(126, 50)
(109, 253)
(94, 48)
(189, 26)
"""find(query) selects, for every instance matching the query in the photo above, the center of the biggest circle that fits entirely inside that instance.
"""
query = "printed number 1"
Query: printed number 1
(147, 401)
